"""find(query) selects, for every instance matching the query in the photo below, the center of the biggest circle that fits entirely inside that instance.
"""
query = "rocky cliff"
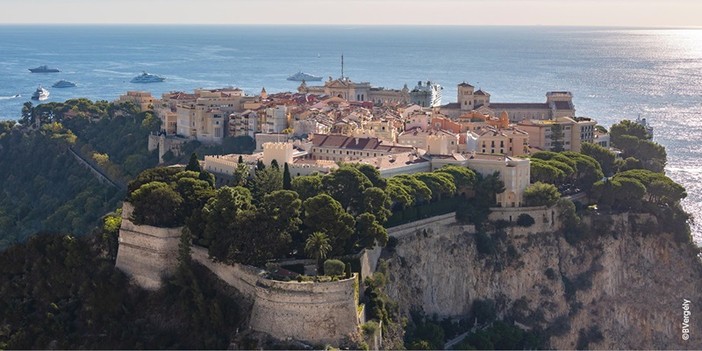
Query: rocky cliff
(625, 281)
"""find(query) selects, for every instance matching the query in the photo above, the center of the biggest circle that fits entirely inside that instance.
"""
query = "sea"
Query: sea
(613, 73)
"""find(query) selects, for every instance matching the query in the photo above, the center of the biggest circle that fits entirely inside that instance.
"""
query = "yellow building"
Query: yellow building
(509, 141)
(142, 99)
(574, 132)
(335, 147)
(443, 142)
(349, 90)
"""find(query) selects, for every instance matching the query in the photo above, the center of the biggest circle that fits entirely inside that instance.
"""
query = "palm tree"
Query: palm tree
(317, 246)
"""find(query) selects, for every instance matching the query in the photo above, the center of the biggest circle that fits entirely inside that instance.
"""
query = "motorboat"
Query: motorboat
(43, 69)
(300, 76)
(40, 94)
(147, 78)
(64, 84)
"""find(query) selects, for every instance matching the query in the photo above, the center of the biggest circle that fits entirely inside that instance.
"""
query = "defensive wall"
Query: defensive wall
(146, 253)
(315, 312)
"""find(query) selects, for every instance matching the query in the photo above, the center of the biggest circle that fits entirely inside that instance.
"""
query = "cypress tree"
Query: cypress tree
(241, 159)
(194, 164)
(275, 164)
(260, 166)
(287, 181)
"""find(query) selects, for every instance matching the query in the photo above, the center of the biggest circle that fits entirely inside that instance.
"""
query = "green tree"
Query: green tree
(274, 164)
(370, 232)
(557, 137)
(318, 246)
(307, 186)
(195, 194)
(157, 204)
(281, 219)
(628, 193)
(157, 174)
(399, 195)
(440, 183)
(267, 181)
(372, 174)
(543, 171)
(377, 202)
(541, 194)
(287, 180)
(463, 176)
(603, 156)
(241, 174)
(417, 189)
(324, 214)
(346, 185)
(627, 127)
(628, 164)
(193, 164)
(223, 219)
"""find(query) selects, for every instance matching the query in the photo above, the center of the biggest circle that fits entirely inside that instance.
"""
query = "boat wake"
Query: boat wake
(10, 97)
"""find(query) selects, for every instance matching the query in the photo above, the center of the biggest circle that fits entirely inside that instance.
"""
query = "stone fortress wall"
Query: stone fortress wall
(146, 253)
(315, 312)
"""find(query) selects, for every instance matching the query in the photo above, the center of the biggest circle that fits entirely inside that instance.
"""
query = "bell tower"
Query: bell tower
(466, 96)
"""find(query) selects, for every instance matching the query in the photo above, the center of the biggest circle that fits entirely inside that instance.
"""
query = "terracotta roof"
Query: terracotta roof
(452, 105)
(511, 105)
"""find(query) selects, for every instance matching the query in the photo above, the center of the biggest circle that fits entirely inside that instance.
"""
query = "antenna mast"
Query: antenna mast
(342, 66)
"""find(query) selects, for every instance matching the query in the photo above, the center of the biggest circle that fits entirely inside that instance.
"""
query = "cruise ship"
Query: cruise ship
(43, 69)
(427, 94)
(147, 78)
(300, 76)
(40, 94)
(63, 84)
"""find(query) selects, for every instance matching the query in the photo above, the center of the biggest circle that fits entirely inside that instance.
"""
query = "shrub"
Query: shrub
(484, 243)
(484, 311)
(550, 274)
(525, 220)
(334, 267)
(541, 194)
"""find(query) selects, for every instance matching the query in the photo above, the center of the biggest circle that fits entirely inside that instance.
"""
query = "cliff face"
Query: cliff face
(628, 285)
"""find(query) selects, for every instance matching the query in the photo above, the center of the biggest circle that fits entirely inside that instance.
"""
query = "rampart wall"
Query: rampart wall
(146, 253)
(310, 311)
(545, 218)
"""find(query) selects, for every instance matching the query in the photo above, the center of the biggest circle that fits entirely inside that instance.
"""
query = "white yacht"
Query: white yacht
(147, 78)
(63, 84)
(40, 94)
(300, 76)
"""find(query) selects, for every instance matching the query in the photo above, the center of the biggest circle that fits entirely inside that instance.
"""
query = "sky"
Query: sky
(626, 13)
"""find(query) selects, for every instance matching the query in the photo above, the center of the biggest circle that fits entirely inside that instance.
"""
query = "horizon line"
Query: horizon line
(126, 24)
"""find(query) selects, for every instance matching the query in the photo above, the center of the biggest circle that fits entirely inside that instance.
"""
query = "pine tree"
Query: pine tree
(287, 181)
(193, 164)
